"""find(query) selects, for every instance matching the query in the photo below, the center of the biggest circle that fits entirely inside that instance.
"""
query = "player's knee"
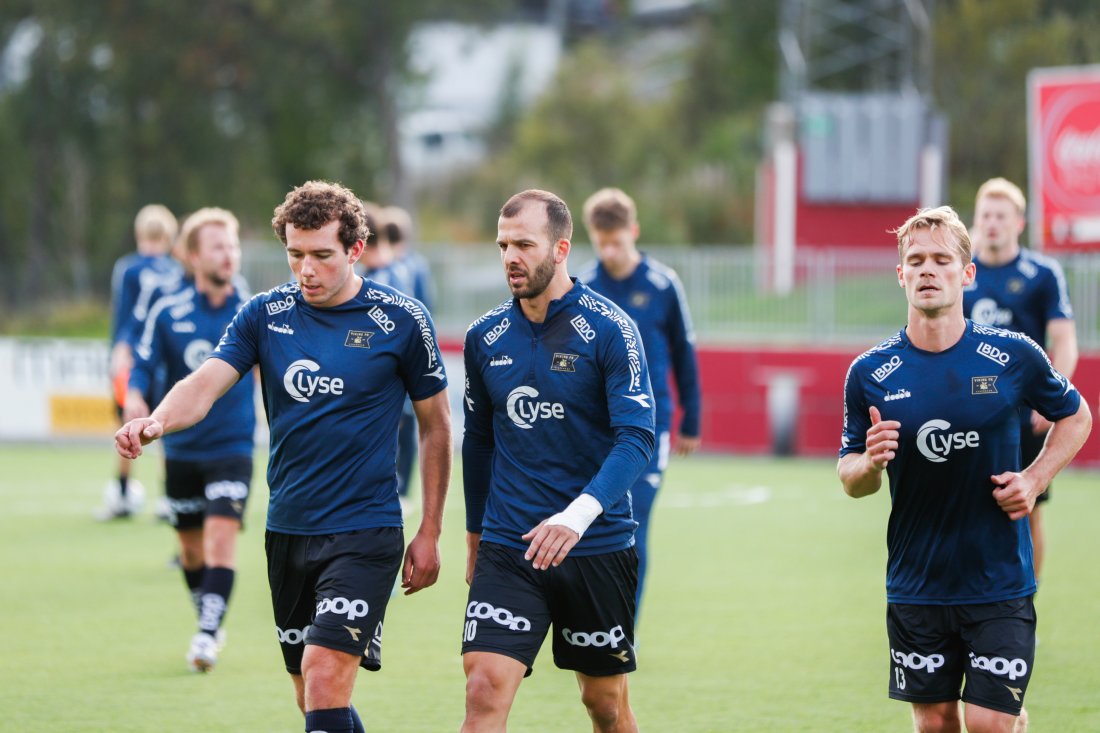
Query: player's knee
(604, 706)
(936, 719)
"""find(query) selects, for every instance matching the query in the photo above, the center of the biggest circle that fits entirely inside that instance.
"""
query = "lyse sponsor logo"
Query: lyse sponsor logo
(196, 352)
(276, 307)
(886, 369)
(300, 383)
(595, 638)
(524, 409)
(291, 636)
(1011, 668)
(343, 607)
(936, 444)
(504, 617)
(993, 353)
(497, 331)
(916, 661)
(583, 329)
(379, 316)
(987, 312)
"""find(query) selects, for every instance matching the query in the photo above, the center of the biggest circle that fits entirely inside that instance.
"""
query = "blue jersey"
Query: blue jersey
(134, 282)
(333, 382)
(1023, 295)
(421, 276)
(178, 335)
(948, 540)
(554, 409)
(653, 296)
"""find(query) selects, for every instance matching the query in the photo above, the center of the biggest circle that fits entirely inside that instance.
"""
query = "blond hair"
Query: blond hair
(155, 224)
(940, 218)
(609, 209)
(1005, 189)
(189, 233)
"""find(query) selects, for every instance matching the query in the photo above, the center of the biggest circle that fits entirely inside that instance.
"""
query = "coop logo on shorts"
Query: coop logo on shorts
(886, 369)
(497, 331)
(916, 661)
(525, 409)
(343, 607)
(504, 617)
(291, 636)
(379, 316)
(196, 352)
(993, 353)
(300, 383)
(935, 442)
(276, 307)
(232, 490)
(610, 638)
(1011, 668)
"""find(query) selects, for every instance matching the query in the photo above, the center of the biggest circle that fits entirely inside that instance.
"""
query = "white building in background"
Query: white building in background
(467, 72)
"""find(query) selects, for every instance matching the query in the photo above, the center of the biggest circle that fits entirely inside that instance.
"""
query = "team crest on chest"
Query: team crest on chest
(983, 385)
(1015, 285)
(564, 362)
(639, 299)
(359, 339)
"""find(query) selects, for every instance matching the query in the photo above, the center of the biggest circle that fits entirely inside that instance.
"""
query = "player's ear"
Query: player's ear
(561, 250)
(356, 251)
(969, 272)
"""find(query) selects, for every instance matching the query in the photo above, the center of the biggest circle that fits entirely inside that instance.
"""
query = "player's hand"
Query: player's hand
(473, 541)
(421, 563)
(882, 440)
(686, 444)
(135, 406)
(137, 433)
(550, 543)
(1015, 493)
(1039, 424)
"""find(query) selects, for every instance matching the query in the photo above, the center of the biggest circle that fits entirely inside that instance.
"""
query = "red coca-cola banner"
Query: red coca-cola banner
(1064, 145)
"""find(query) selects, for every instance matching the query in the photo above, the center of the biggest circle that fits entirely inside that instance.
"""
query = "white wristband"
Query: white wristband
(579, 515)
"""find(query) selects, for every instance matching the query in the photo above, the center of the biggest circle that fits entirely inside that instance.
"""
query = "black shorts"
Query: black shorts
(589, 600)
(934, 648)
(200, 489)
(331, 590)
(1030, 445)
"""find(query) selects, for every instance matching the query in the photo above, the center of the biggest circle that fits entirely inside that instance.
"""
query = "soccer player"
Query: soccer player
(559, 424)
(1017, 289)
(337, 355)
(652, 295)
(935, 407)
(208, 467)
(134, 280)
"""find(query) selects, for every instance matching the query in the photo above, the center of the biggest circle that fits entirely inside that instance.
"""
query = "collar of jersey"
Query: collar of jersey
(906, 343)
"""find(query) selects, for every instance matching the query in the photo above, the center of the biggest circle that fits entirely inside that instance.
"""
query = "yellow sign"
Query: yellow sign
(82, 414)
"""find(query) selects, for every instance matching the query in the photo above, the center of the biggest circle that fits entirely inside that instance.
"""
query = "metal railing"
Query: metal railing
(842, 297)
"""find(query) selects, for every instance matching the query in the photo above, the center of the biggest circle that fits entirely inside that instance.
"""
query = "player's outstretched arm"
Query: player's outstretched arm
(1016, 492)
(861, 473)
(433, 415)
(183, 406)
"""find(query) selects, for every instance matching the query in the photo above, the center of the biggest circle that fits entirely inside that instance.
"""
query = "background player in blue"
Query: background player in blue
(133, 281)
(559, 423)
(208, 467)
(652, 295)
(337, 355)
(1018, 289)
(936, 407)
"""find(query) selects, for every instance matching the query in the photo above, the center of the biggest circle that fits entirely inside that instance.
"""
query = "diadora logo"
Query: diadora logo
(524, 409)
(916, 661)
(901, 394)
(988, 313)
(502, 616)
(281, 329)
(379, 316)
(582, 327)
(343, 607)
(196, 352)
(935, 443)
(291, 636)
(183, 327)
(301, 385)
(1011, 668)
(886, 369)
(276, 307)
(232, 490)
(641, 399)
(993, 353)
(497, 331)
(503, 360)
(596, 638)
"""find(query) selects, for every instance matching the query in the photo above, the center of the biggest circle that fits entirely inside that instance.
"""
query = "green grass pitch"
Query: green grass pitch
(764, 612)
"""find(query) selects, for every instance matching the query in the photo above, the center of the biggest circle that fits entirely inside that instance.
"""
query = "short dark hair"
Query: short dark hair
(609, 209)
(559, 224)
(314, 204)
